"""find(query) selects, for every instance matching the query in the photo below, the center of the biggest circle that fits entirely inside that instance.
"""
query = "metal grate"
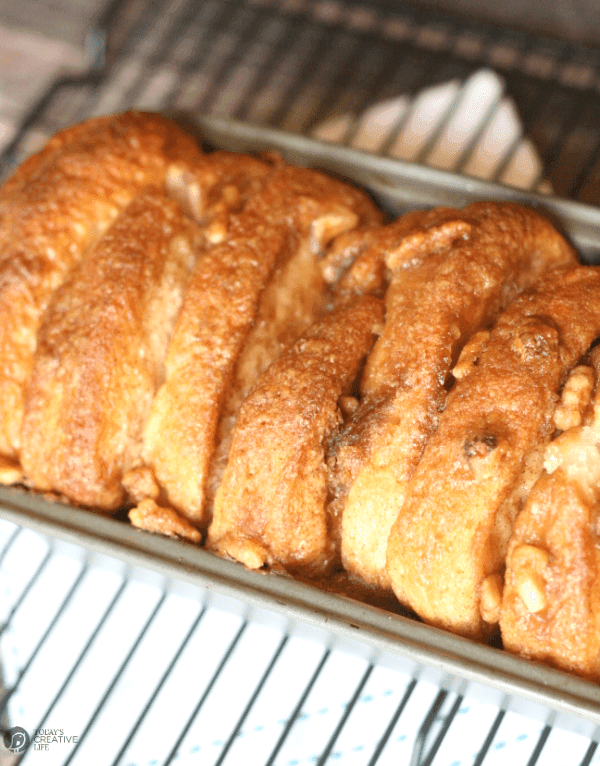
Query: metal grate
(142, 670)
(248, 688)
(294, 64)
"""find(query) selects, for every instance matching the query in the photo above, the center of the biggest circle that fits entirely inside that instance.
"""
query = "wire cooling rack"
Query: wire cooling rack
(106, 663)
(110, 664)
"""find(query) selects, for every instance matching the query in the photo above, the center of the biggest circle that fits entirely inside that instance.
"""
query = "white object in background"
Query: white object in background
(471, 127)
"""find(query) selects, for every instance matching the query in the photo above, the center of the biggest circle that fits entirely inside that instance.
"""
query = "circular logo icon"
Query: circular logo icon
(16, 739)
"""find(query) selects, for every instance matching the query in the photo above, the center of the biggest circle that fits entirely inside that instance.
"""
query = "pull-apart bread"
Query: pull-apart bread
(247, 298)
(52, 212)
(175, 262)
(100, 353)
(102, 341)
(271, 505)
(447, 547)
(551, 605)
(451, 272)
(241, 353)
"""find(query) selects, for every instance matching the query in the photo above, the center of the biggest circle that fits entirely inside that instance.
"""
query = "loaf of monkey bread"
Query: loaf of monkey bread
(245, 355)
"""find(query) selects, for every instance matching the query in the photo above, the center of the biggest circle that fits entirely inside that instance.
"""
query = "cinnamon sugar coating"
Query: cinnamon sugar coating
(242, 351)
(451, 272)
(248, 297)
(100, 353)
(461, 506)
(561, 623)
(270, 508)
(53, 209)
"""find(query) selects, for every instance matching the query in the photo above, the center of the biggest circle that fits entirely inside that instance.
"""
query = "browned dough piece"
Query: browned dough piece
(451, 272)
(452, 532)
(100, 353)
(249, 296)
(216, 315)
(551, 600)
(295, 296)
(152, 517)
(52, 210)
(214, 187)
(270, 507)
(104, 335)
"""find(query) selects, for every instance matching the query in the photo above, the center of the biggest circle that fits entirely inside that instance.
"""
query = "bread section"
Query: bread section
(246, 355)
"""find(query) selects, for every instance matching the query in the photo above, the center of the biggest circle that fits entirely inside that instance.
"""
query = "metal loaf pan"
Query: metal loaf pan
(389, 637)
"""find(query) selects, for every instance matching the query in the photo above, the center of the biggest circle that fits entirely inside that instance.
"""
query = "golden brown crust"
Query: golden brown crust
(297, 290)
(551, 602)
(451, 272)
(100, 352)
(270, 507)
(34, 165)
(53, 209)
(214, 187)
(102, 343)
(216, 315)
(10, 472)
(293, 298)
(150, 516)
(453, 528)
(296, 208)
(103, 231)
